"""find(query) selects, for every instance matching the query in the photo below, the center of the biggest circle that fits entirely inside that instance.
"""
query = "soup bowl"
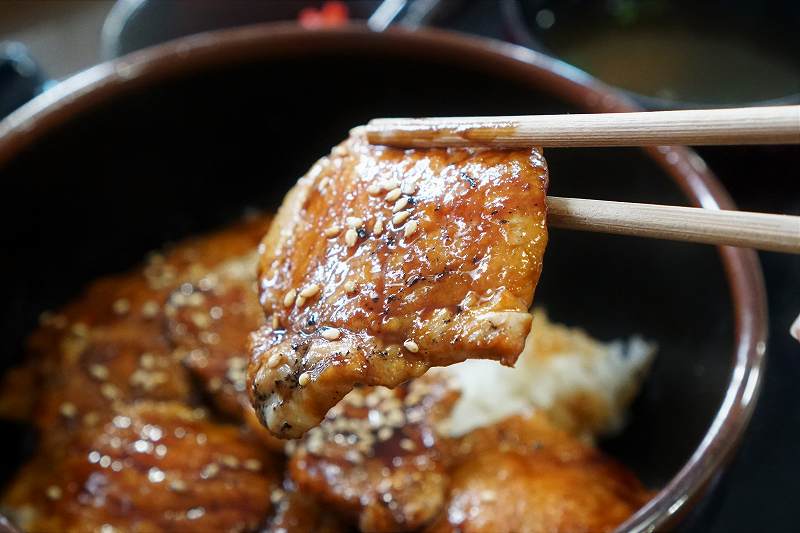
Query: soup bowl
(181, 138)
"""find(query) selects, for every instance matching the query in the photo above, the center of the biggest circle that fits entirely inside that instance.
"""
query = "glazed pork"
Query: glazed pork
(118, 367)
(524, 475)
(121, 340)
(153, 466)
(378, 456)
(383, 263)
(145, 422)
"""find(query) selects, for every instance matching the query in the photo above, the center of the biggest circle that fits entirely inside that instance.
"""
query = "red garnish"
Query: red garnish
(331, 14)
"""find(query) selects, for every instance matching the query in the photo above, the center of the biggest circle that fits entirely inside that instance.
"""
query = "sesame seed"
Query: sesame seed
(409, 187)
(147, 360)
(253, 465)
(68, 409)
(290, 448)
(301, 301)
(53, 492)
(354, 456)
(393, 195)
(289, 298)
(355, 222)
(209, 471)
(156, 475)
(407, 444)
(411, 346)
(99, 372)
(304, 379)
(216, 312)
(276, 323)
(310, 291)
(178, 485)
(201, 320)
(230, 461)
(79, 329)
(208, 337)
(148, 380)
(330, 334)
(384, 434)
(195, 512)
(208, 282)
(276, 495)
(410, 228)
(400, 204)
(377, 229)
(400, 217)
(391, 183)
(349, 286)
(314, 443)
(350, 237)
(121, 306)
(274, 360)
(374, 189)
(109, 391)
(395, 418)
(186, 288)
(150, 309)
(333, 231)
(195, 299)
(488, 495)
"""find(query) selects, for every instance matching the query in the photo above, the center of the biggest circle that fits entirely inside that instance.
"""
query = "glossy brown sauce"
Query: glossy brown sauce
(415, 259)
(440, 133)
(138, 390)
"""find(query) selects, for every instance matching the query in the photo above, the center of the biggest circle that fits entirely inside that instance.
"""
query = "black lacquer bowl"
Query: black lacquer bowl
(181, 138)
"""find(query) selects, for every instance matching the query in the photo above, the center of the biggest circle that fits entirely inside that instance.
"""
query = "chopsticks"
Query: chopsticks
(762, 231)
(752, 125)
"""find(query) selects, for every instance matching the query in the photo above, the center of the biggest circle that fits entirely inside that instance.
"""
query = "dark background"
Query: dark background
(759, 490)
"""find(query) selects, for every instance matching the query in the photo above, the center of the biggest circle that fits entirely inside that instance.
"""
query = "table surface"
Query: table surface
(758, 490)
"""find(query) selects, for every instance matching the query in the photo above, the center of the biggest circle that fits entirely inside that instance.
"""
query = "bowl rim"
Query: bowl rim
(103, 82)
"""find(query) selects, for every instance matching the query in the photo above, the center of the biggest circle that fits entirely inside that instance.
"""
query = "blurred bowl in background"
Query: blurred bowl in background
(135, 24)
(21, 78)
(671, 54)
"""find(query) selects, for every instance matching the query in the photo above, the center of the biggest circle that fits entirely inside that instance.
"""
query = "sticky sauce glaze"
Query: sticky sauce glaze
(423, 133)
(384, 262)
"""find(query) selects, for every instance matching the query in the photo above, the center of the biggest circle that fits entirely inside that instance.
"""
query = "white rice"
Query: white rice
(583, 385)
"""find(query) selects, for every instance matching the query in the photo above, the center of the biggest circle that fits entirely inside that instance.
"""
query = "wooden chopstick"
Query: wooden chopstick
(752, 125)
(762, 231)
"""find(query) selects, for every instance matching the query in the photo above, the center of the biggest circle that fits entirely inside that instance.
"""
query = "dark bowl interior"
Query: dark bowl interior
(164, 160)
